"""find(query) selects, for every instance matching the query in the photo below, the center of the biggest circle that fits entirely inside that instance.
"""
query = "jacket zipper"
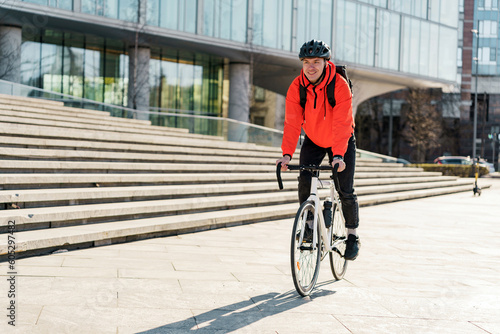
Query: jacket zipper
(315, 96)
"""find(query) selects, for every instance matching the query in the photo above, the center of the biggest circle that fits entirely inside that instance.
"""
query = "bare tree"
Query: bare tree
(423, 124)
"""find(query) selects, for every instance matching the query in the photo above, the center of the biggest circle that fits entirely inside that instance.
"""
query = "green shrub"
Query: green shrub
(452, 170)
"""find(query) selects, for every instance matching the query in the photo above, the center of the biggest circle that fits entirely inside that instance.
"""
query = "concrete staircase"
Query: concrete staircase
(73, 178)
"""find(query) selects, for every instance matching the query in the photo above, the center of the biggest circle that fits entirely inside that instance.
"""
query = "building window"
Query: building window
(173, 14)
(272, 24)
(356, 33)
(126, 10)
(459, 57)
(488, 29)
(487, 56)
(63, 4)
(487, 4)
(225, 19)
(314, 20)
(259, 94)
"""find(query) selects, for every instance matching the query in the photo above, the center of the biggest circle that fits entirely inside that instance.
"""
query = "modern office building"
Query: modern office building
(206, 56)
(480, 78)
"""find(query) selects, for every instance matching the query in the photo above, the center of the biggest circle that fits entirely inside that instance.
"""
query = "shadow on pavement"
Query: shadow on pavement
(238, 315)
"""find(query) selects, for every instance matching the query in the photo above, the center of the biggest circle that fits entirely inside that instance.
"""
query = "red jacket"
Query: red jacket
(324, 125)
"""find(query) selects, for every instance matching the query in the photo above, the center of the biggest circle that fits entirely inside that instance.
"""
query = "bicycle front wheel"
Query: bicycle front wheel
(338, 262)
(305, 257)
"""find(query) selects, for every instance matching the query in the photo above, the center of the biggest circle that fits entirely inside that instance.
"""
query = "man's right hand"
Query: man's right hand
(284, 162)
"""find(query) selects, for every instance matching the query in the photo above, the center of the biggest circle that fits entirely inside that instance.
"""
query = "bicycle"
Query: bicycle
(328, 237)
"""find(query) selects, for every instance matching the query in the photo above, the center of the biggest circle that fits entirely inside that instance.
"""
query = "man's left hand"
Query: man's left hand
(340, 162)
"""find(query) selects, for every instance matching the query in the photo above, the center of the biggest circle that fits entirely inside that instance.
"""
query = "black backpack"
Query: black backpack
(330, 88)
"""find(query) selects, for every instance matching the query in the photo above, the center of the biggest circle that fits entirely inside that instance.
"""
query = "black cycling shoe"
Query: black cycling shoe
(352, 247)
(308, 234)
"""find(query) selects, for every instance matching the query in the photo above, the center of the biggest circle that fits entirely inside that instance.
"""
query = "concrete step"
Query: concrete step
(103, 127)
(72, 196)
(38, 113)
(83, 155)
(87, 145)
(27, 198)
(49, 217)
(58, 108)
(160, 163)
(29, 100)
(47, 132)
(54, 180)
(58, 180)
(94, 145)
(47, 240)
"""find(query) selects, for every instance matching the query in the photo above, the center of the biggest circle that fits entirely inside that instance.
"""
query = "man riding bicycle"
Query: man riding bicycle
(329, 130)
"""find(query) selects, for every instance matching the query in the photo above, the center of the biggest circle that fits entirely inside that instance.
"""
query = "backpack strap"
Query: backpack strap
(330, 88)
(303, 96)
(330, 91)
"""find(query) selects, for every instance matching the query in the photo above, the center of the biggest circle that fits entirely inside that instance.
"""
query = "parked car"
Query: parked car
(488, 165)
(453, 160)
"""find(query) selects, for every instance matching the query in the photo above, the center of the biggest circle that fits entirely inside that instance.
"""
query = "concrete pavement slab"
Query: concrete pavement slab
(426, 266)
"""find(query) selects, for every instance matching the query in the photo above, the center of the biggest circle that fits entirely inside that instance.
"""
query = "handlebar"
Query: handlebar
(311, 168)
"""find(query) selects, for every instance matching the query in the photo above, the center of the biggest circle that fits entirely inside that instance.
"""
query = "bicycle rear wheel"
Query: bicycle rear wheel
(305, 258)
(338, 262)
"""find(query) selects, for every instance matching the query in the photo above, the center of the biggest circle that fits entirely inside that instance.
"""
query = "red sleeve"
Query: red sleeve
(343, 124)
(293, 119)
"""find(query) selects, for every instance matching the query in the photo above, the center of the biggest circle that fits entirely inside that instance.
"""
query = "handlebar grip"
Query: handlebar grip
(336, 177)
(278, 175)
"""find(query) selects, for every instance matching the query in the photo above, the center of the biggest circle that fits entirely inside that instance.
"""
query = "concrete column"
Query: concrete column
(138, 83)
(10, 53)
(279, 116)
(239, 100)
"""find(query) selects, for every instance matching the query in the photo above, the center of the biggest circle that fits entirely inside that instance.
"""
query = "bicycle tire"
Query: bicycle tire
(338, 263)
(304, 259)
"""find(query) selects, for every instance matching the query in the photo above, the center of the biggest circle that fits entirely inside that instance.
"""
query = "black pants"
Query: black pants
(310, 153)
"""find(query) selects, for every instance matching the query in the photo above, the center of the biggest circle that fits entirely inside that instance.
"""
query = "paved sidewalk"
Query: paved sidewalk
(426, 266)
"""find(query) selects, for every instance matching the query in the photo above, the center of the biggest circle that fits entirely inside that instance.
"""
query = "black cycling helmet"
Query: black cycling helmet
(315, 48)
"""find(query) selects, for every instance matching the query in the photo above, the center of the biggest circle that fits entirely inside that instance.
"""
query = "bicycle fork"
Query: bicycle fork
(325, 236)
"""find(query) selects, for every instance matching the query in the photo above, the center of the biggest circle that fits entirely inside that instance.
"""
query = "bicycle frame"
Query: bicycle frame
(325, 236)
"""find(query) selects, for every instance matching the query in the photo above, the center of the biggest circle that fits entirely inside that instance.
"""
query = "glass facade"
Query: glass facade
(69, 63)
(314, 20)
(487, 22)
(126, 10)
(399, 36)
(96, 68)
(272, 24)
(226, 19)
(173, 14)
(64, 4)
(417, 37)
(186, 82)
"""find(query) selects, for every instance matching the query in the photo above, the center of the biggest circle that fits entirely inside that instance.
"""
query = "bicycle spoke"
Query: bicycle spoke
(338, 263)
(305, 258)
